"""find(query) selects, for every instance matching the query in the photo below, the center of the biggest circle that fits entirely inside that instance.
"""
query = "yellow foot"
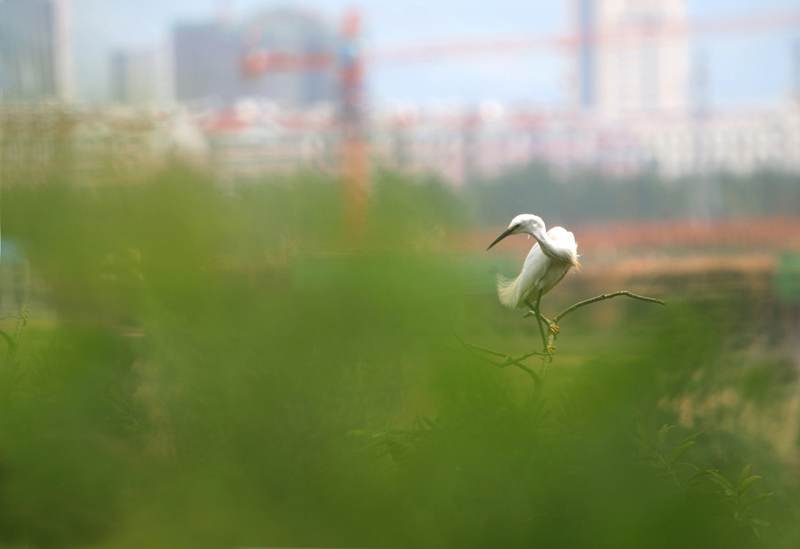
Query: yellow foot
(550, 350)
(553, 328)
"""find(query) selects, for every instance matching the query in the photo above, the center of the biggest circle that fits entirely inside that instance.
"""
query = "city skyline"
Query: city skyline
(208, 57)
(742, 70)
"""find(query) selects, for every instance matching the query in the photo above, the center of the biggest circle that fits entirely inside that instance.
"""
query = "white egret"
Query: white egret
(550, 259)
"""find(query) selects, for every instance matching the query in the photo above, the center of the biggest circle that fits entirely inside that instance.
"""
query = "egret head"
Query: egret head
(524, 223)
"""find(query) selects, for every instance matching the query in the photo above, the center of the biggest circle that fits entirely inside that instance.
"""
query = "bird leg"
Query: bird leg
(538, 321)
(552, 326)
(535, 308)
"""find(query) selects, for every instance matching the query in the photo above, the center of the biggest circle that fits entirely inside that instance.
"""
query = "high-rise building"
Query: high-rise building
(141, 78)
(631, 56)
(35, 51)
(209, 59)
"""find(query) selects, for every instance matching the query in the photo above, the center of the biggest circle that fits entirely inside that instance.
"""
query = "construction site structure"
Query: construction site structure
(349, 68)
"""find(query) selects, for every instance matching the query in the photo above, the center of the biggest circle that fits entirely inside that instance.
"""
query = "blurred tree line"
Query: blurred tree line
(591, 197)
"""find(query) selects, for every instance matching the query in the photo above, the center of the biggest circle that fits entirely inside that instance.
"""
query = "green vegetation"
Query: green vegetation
(222, 368)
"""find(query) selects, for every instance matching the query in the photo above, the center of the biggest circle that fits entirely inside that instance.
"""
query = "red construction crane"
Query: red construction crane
(350, 67)
(354, 157)
(477, 45)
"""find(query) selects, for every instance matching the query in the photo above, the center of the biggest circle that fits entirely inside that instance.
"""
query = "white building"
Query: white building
(738, 142)
(255, 140)
(631, 56)
(141, 78)
(89, 145)
(459, 146)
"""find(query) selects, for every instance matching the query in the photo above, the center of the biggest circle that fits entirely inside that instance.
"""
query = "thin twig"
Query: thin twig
(482, 349)
(13, 342)
(523, 357)
(527, 369)
(546, 360)
(532, 313)
(549, 340)
(551, 336)
(509, 360)
(603, 297)
(22, 321)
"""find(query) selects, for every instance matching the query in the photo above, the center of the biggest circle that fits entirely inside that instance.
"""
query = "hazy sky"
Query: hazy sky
(748, 69)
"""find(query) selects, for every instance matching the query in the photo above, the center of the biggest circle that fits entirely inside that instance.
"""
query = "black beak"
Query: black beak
(501, 237)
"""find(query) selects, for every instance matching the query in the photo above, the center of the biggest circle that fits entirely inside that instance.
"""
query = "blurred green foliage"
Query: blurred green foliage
(209, 350)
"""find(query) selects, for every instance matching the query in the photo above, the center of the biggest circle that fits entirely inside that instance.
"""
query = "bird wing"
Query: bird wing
(514, 291)
(565, 241)
(541, 272)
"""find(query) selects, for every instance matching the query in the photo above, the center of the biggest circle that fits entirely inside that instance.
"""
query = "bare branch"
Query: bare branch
(534, 376)
(532, 313)
(546, 360)
(523, 357)
(549, 340)
(603, 297)
(483, 350)
(508, 359)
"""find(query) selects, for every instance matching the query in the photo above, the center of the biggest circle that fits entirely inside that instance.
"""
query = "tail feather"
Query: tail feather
(507, 291)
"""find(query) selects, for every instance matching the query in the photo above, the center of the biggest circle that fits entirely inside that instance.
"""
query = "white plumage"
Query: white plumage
(550, 259)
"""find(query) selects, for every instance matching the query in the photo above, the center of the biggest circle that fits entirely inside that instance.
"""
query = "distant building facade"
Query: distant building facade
(207, 62)
(460, 146)
(257, 140)
(140, 78)
(736, 142)
(209, 57)
(88, 145)
(35, 50)
(631, 56)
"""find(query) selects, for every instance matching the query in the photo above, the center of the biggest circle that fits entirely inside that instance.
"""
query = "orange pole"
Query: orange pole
(354, 161)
